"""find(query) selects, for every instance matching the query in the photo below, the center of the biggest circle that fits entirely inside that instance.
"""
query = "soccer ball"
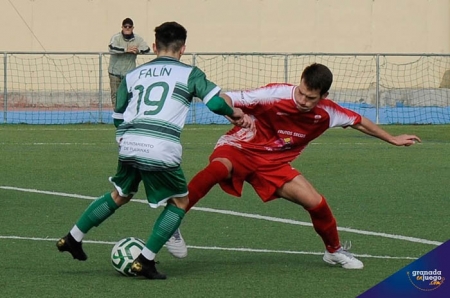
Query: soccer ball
(124, 253)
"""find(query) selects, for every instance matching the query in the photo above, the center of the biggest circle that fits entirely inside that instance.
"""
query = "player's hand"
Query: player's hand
(247, 122)
(406, 140)
(238, 114)
(240, 119)
(244, 122)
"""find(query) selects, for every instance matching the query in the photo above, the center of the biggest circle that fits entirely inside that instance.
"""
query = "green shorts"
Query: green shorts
(159, 185)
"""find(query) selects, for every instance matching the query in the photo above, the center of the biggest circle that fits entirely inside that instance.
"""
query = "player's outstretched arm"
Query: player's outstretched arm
(368, 127)
(223, 106)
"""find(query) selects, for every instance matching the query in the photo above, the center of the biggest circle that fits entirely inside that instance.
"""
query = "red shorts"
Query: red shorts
(266, 177)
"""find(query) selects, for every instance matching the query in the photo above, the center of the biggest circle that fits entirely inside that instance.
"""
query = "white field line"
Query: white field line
(247, 215)
(55, 144)
(241, 249)
(109, 128)
(190, 143)
(82, 144)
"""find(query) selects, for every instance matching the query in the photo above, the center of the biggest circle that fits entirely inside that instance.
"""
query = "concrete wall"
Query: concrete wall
(332, 26)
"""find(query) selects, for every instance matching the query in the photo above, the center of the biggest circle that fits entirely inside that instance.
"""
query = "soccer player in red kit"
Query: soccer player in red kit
(286, 119)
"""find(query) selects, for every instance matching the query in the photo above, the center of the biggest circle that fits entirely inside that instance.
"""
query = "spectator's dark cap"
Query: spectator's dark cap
(127, 21)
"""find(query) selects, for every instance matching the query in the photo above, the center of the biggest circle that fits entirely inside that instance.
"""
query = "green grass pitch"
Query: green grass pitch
(392, 203)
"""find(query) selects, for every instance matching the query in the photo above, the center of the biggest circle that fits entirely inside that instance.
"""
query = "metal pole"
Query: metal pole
(5, 87)
(286, 61)
(193, 109)
(100, 87)
(377, 91)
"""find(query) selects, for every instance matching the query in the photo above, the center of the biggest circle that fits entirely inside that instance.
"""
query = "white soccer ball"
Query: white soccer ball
(124, 253)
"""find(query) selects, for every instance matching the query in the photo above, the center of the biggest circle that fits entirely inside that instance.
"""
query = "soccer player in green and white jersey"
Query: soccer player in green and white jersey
(152, 104)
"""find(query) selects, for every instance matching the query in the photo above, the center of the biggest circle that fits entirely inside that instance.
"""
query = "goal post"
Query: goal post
(59, 88)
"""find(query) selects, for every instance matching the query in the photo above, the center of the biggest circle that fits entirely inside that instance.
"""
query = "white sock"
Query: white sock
(148, 254)
(77, 234)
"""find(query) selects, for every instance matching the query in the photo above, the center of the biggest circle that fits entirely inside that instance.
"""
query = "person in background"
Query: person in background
(124, 48)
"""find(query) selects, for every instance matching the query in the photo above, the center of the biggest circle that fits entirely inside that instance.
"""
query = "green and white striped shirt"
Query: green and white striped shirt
(153, 100)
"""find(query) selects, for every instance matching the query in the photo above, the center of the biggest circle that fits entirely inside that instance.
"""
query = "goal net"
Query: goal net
(60, 88)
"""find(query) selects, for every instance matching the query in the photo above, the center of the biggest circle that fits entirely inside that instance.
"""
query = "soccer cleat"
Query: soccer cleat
(143, 267)
(344, 258)
(68, 243)
(176, 245)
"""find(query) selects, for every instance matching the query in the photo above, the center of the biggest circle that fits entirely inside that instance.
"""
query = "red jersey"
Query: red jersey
(282, 131)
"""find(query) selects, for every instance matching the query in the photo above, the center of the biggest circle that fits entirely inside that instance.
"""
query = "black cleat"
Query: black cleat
(68, 243)
(143, 267)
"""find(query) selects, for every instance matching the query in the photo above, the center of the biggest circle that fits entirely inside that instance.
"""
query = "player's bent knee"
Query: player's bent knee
(181, 202)
(120, 200)
(225, 161)
(313, 202)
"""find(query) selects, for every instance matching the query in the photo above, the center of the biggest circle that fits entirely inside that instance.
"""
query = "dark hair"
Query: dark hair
(127, 21)
(317, 77)
(170, 36)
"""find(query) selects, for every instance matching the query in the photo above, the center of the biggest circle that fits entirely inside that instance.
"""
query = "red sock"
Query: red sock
(325, 225)
(202, 183)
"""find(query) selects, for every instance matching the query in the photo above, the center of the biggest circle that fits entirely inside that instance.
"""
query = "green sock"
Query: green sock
(165, 226)
(97, 212)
